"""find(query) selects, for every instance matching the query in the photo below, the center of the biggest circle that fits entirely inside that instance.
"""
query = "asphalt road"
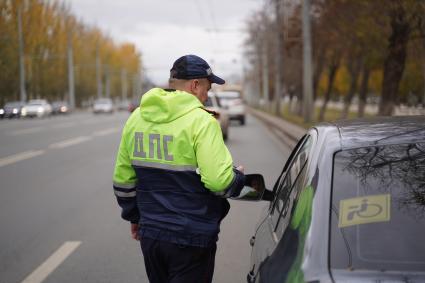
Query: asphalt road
(58, 215)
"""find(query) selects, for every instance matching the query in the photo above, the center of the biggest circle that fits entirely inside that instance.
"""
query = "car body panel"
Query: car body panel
(276, 259)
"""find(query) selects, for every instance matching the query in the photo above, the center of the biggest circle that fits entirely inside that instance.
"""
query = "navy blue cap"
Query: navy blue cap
(193, 67)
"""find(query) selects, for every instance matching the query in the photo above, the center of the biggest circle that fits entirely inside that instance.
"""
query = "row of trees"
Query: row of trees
(48, 30)
(360, 48)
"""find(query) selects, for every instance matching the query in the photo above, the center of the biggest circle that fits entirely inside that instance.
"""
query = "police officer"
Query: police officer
(173, 174)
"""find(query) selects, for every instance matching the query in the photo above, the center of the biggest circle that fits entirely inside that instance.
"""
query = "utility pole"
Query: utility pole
(108, 82)
(307, 63)
(278, 78)
(135, 86)
(423, 98)
(140, 85)
(71, 88)
(265, 66)
(98, 73)
(23, 93)
(423, 65)
(123, 84)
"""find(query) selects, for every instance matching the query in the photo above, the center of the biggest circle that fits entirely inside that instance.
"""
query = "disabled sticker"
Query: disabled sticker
(362, 210)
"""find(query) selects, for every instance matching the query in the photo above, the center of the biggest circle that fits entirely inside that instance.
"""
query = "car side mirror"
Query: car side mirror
(254, 188)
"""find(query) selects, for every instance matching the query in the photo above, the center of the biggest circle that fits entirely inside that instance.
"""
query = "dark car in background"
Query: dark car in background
(349, 206)
(133, 105)
(11, 109)
(60, 107)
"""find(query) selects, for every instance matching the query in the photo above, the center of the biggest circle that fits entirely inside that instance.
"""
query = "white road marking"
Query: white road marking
(20, 156)
(106, 132)
(69, 142)
(50, 264)
(25, 131)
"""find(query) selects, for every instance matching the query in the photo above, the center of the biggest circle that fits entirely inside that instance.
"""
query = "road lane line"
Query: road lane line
(106, 132)
(25, 131)
(20, 156)
(50, 264)
(69, 142)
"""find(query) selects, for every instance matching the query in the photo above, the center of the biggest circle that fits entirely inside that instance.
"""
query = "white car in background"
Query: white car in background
(36, 108)
(233, 103)
(103, 105)
(213, 104)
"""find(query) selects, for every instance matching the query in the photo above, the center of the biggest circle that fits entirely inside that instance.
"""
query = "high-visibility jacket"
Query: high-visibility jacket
(173, 171)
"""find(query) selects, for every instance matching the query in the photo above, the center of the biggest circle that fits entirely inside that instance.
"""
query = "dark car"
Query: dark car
(60, 107)
(133, 105)
(11, 109)
(349, 206)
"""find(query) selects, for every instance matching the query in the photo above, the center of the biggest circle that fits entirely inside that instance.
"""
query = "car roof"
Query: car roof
(375, 131)
(228, 93)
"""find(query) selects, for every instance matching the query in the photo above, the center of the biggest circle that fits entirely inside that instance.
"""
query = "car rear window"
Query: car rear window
(378, 208)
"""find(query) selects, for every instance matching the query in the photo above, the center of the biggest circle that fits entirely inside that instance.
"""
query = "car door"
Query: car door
(269, 232)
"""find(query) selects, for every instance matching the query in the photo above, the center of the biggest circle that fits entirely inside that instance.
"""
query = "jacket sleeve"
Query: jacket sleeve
(124, 183)
(215, 162)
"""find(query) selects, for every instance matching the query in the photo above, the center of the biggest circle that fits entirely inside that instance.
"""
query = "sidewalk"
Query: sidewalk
(287, 132)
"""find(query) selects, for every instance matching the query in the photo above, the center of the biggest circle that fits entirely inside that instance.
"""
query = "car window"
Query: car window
(280, 206)
(378, 208)
(289, 196)
(281, 177)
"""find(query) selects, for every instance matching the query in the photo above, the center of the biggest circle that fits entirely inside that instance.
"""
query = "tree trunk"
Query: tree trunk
(395, 59)
(332, 72)
(363, 91)
(318, 72)
(354, 69)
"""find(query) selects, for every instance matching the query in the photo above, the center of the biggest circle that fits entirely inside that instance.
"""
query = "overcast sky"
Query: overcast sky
(163, 30)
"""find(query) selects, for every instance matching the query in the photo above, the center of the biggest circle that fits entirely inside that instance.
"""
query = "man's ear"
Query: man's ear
(194, 85)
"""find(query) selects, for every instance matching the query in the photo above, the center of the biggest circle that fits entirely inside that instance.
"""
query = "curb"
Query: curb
(287, 132)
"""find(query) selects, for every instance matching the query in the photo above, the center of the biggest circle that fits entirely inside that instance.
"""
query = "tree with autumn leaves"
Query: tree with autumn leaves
(360, 47)
(48, 28)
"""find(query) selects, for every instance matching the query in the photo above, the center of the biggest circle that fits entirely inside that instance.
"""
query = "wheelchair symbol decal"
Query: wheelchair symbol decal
(362, 210)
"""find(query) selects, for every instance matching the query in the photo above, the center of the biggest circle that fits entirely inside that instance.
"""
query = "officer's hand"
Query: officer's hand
(134, 231)
(240, 168)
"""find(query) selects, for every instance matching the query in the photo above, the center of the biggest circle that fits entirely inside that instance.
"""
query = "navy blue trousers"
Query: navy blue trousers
(171, 263)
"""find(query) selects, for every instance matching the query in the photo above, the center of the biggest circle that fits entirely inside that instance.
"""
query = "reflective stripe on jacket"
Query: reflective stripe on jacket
(173, 170)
